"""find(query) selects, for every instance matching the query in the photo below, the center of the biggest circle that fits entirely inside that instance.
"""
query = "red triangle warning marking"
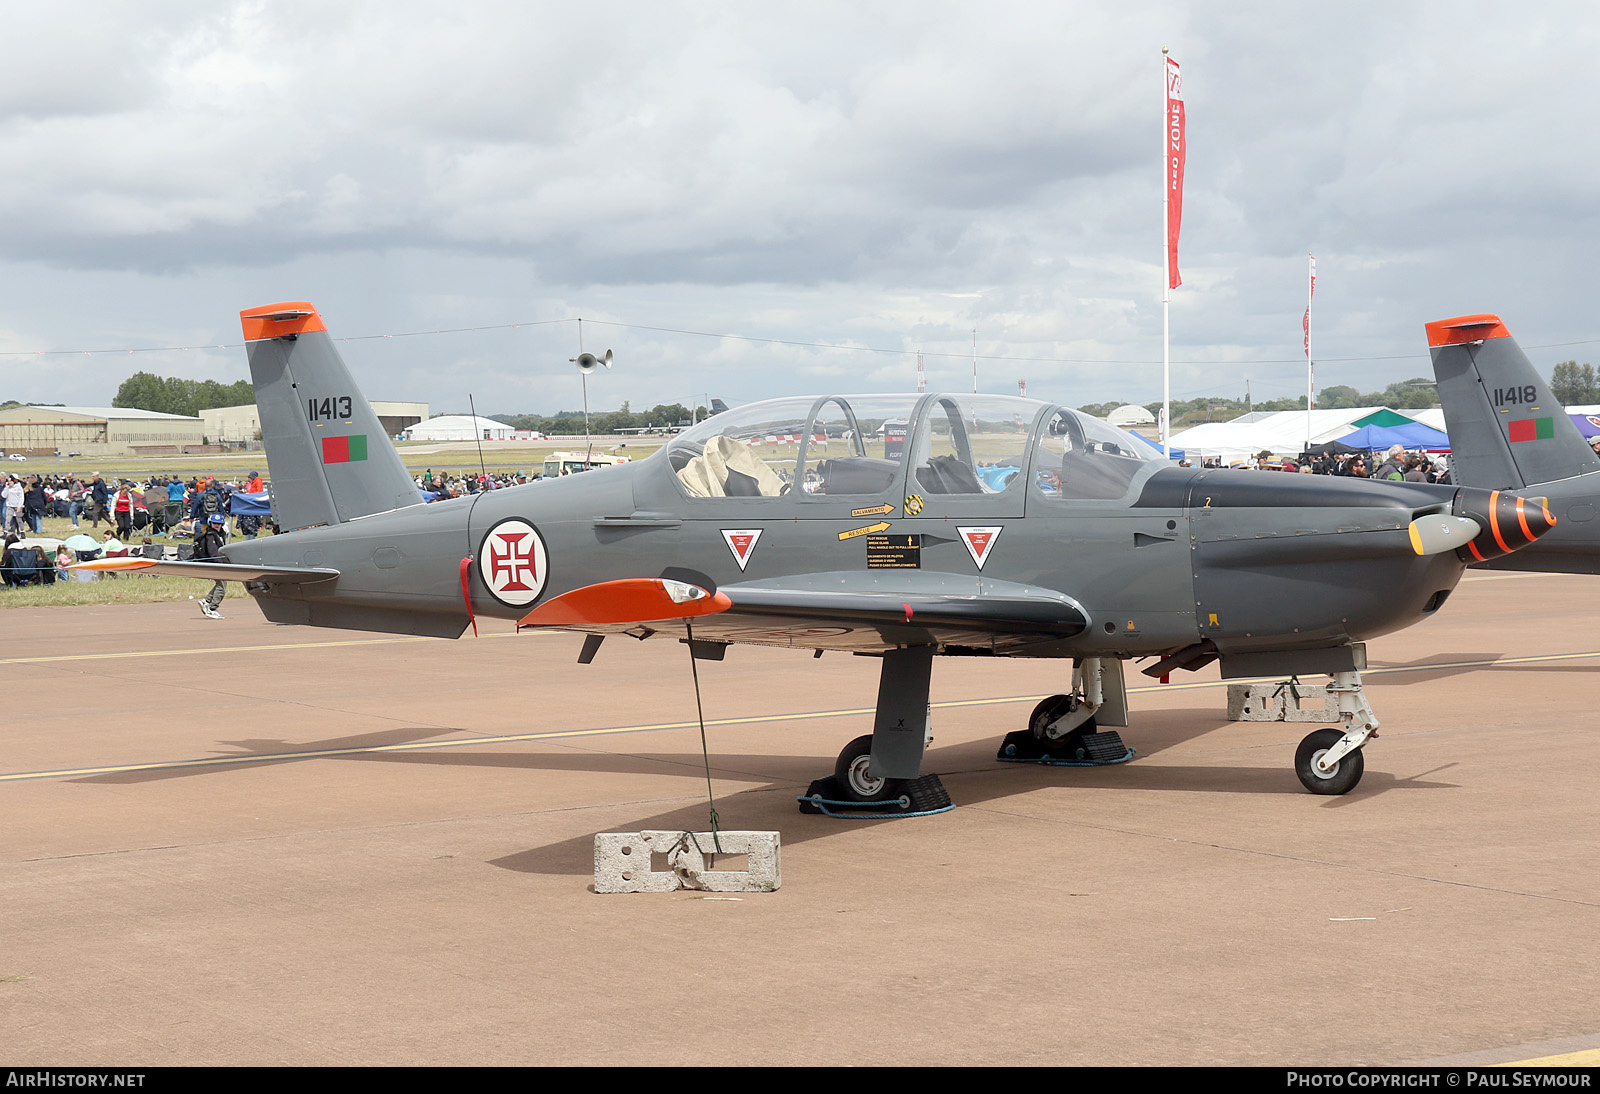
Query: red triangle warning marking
(741, 541)
(980, 541)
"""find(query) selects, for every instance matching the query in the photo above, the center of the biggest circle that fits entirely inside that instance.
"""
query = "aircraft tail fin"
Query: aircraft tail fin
(330, 458)
(1507, 430)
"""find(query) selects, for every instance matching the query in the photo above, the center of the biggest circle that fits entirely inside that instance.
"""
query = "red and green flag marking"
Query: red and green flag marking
(1528, 429)
(348, 449)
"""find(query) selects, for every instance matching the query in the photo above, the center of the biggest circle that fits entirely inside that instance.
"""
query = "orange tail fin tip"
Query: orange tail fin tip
(277, 320)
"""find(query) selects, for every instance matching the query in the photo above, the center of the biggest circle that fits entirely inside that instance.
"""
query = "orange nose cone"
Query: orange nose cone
(1510, 522)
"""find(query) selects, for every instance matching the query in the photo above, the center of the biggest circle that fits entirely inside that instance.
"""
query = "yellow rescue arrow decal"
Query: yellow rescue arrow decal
(881, 526)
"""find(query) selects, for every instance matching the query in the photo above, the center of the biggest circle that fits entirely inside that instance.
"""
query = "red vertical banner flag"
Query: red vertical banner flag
(1311, 295)
(1177, 149)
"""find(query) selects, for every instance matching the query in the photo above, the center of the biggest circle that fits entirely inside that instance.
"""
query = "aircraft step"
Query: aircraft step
(920, 797)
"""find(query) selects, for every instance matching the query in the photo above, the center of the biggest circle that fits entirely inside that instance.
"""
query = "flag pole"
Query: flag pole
(1311, 292)
(1166, 268)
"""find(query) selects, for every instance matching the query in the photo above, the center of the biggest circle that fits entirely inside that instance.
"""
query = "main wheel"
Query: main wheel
(1033, 744)
(1345, 774)
(850, 770)
(1068, 747)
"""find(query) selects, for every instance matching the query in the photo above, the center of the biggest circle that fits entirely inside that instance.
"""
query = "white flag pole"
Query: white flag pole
(1311, 292)
(1166, 268)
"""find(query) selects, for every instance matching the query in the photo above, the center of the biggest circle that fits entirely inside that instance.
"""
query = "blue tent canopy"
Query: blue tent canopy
(1177, 453)
(242, 504)
(1413, 435)
(1588, 424)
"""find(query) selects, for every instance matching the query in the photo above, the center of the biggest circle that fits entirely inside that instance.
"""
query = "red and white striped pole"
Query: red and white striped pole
(1311, 387)
(1173, 153)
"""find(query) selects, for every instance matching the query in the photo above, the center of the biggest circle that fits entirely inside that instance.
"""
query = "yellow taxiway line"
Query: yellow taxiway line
(553, 735)
(1589, 1057)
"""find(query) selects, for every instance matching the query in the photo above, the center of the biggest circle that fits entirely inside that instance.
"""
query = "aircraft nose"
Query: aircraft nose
(1508, 521)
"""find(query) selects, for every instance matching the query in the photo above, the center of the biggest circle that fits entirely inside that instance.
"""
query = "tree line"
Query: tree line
(570, 422)
(1574, 385)
(1416, 393)
(175, 395)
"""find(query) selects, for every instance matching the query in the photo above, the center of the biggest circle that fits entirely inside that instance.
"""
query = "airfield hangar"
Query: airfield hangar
(98, 431)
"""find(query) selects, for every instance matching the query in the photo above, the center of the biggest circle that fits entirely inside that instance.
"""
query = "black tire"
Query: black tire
(850, 772)
(1342, 779)
(1069, 747)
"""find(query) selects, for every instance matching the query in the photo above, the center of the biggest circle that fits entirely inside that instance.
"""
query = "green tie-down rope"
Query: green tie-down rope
(705, 751)
(1293, 686)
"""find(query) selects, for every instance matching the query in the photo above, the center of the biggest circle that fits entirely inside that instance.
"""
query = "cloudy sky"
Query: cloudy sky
(878, 175)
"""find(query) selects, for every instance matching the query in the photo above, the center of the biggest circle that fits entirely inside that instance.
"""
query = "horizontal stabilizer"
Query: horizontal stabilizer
(211, 571)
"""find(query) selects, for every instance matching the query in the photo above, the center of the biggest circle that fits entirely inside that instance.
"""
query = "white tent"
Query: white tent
(460, 427)
(1433, 418)
(1282, 432)
(1131, 415)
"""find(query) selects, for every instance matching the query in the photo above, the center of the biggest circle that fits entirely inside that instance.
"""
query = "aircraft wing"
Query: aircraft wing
(213, 571)
(864, 612)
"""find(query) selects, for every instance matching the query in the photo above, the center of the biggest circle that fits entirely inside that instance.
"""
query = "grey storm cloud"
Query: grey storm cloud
(884, 175)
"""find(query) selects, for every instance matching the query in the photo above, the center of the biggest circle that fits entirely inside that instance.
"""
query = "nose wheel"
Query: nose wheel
(1319, 776)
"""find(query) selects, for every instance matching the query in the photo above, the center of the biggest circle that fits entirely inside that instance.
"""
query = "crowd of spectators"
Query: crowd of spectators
(440, 485)
(159, 505)
(167, 507)
(1397, 466)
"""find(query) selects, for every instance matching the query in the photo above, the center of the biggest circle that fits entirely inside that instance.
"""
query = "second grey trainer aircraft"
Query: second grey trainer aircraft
(902, 527)
(1508, 433)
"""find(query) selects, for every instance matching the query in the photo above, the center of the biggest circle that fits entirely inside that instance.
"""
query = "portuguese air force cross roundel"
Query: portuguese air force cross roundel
(513, 562)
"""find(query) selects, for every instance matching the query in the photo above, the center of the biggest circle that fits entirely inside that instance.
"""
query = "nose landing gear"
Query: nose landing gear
(1329, 761)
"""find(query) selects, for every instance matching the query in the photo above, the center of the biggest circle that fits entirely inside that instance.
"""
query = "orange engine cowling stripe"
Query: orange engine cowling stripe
(1494, 521)
(1477, 554)
(1522, 519)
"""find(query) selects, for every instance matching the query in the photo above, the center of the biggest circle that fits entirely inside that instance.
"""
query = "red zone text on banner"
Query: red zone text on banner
(1177, 149)
(1310, 296)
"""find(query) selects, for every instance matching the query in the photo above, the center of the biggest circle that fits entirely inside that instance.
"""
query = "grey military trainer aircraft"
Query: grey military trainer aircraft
(902, 527)
(1508, 432)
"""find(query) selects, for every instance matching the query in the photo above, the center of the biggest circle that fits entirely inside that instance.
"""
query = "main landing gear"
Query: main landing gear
(1329, 761)
(1061, 730)
(879, 775)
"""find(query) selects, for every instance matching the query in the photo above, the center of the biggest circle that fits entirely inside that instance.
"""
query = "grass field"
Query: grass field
(120, 589)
